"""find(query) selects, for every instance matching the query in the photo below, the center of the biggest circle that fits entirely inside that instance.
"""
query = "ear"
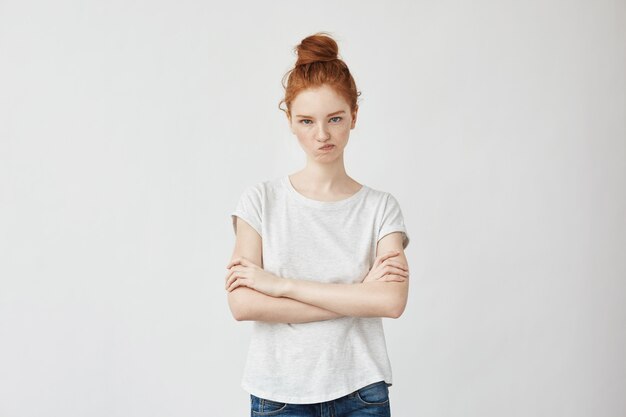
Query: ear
(354, 113)
(289, 122)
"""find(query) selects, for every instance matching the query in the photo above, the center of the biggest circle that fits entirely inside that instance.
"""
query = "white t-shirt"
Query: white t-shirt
(322, 241)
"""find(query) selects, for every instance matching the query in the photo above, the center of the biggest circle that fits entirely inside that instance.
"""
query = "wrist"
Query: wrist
(286, 289)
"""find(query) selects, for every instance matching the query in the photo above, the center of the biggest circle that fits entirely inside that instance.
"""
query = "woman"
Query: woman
(318, 261)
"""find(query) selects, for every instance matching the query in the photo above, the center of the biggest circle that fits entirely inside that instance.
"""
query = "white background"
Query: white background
(129, 130)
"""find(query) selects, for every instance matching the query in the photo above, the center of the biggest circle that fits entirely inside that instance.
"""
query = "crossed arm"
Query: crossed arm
(302, 301)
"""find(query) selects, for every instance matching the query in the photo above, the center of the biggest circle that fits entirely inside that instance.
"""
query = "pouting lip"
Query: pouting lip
(329, 145)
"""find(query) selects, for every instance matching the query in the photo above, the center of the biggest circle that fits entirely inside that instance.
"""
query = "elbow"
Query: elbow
(395, 312)
(396, 308)
(239, 308)
(239, 314)
(390, 300)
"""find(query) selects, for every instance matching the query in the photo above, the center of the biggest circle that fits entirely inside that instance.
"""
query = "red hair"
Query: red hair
(319, 63)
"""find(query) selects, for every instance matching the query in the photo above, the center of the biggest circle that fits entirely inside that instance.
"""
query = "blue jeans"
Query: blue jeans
(371, 400)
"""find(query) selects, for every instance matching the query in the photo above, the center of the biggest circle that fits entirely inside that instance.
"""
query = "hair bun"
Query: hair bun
(318, 64)
(316, 48)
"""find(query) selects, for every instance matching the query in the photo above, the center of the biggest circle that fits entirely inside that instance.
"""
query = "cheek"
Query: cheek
(342, 131)
(305, 140)
(305, 135)
(302, 135)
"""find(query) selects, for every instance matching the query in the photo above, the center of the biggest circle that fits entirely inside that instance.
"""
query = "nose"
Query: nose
(322, 133)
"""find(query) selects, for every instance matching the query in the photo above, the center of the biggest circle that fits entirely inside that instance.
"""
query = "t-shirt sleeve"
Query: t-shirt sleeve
(249, 208)
(393, 221)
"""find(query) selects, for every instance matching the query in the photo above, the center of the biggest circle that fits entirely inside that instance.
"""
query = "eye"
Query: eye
(336, 117)
(305, 120)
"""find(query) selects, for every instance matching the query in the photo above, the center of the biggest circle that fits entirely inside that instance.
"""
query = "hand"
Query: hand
(385, 269)
(243, 272)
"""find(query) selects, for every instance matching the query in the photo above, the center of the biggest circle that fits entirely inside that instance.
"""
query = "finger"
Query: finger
(236, 273)
(397, 264)
(229, 279)
(246, 262)
(234, 262)
(400, 271)
(239, 282)
(380, 259)
(388, 269)
(230, 285)
(392, 278)
(242, 260)
(229, 276)
(389, 254)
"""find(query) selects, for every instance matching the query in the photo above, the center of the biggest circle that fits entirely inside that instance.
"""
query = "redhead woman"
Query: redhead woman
(318, 261)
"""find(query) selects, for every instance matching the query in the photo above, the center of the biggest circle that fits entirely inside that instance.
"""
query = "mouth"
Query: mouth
(326, 147)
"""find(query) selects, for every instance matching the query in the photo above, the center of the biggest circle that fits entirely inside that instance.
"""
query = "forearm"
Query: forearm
(248, 304)
(366, 299)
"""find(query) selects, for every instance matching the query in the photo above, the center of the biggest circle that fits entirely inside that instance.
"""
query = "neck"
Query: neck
(324, 178)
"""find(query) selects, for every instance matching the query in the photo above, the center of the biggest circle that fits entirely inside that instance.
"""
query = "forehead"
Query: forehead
(318, 100)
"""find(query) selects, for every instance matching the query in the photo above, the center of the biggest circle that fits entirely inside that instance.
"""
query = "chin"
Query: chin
(328, 158)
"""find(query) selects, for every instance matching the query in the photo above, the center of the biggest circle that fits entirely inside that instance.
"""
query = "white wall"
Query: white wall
(129, 129)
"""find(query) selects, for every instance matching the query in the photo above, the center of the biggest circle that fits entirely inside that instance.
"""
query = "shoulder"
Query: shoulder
(391, 220)
(383, 198)
(262, 192)
(260, 188)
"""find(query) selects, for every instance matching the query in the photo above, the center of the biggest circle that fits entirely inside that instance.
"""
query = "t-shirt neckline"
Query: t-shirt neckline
(322, 204)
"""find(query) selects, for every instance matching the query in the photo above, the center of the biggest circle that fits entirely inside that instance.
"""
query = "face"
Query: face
(320, 117)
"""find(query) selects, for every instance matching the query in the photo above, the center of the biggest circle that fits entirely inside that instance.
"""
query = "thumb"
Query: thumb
(384, 256)
(247, 262)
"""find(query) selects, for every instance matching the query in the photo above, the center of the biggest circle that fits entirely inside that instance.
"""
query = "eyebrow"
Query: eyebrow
(331, 114)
